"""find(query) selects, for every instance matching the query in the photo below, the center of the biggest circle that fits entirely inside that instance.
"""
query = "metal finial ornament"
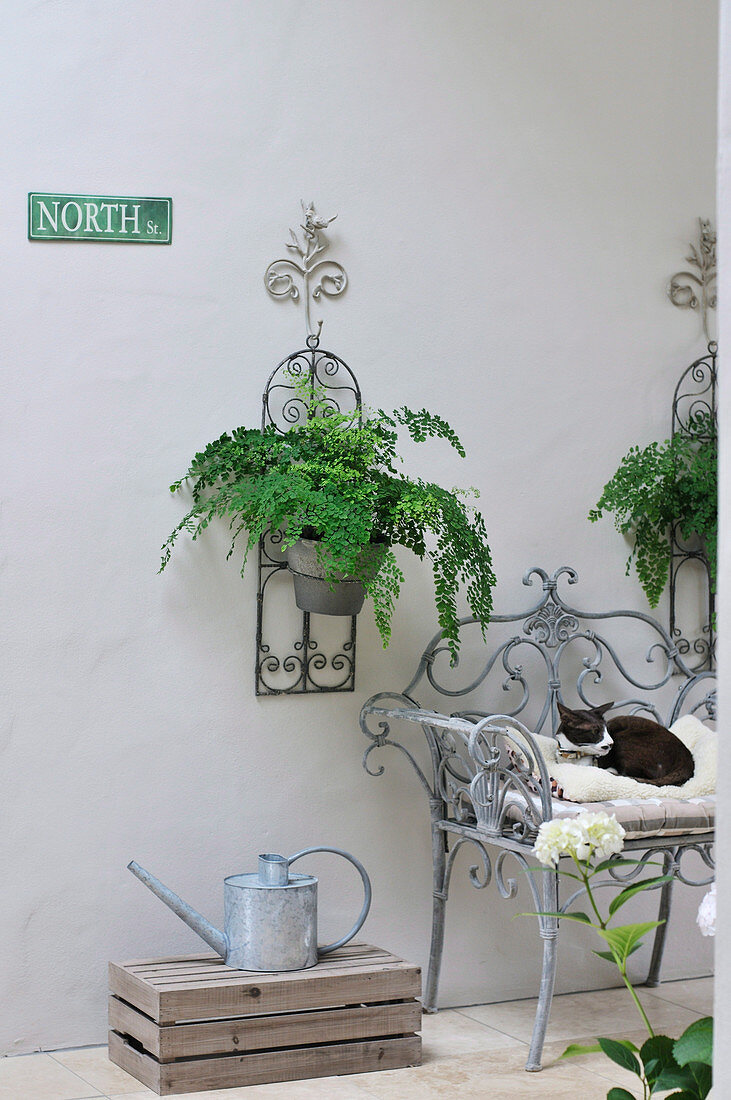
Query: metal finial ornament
(329, 277)
(689, 290)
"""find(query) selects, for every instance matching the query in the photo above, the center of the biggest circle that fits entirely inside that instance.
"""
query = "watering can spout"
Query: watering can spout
(203, 928)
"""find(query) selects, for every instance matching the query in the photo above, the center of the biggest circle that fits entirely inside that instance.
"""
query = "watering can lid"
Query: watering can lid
(252, 881)
(273, 873)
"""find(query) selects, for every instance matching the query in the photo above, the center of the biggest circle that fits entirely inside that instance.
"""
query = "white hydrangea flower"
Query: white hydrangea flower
(562, 836)
(706, 918)
(589, 834)
(605, 834)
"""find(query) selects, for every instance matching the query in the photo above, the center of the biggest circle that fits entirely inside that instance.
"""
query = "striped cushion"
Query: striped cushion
(640, 817)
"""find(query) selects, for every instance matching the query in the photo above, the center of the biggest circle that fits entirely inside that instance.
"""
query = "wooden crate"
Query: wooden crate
(191, 1023)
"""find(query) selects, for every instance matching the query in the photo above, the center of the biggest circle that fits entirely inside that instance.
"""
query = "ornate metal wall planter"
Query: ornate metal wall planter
(694, 403)
(321, 655)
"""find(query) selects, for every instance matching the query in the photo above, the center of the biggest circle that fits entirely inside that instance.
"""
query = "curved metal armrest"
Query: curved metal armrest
(511, 790)
(493, 765)
(445, 736)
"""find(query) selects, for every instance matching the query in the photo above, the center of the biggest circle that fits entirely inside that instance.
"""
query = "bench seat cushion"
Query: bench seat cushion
(639, 817)
(650, 816)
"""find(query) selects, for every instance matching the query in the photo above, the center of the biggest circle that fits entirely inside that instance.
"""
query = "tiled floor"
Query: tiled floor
(477, 1052)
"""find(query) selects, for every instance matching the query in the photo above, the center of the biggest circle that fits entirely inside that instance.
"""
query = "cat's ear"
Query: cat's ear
(602, 710)
(565, 712)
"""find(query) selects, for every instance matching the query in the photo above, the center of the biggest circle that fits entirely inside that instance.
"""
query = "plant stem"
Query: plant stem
(636, 999)
(622, 968)
(585, 879)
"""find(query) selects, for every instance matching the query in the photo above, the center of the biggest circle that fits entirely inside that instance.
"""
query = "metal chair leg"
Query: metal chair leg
(666, 891)
(549, 935)
(439, 906)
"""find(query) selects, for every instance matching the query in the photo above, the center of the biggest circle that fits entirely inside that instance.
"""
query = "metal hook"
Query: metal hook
(313, 339)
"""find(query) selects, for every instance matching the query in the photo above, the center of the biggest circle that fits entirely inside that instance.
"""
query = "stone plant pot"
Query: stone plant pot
(313, 593)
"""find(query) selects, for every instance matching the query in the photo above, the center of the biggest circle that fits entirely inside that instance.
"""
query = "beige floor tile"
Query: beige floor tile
(597, 1063)
(572, 1014)
(341, 1087)
(449, 1033)
(693, 993)
(39, 1077)
(497, 1075)
(93, 1065)
(344, 1088)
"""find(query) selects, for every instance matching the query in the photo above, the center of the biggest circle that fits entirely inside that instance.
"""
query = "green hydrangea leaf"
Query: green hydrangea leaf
(696, 1043)
(619, 1054)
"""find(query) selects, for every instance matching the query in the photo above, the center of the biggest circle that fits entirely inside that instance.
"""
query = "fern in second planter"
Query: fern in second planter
(668, 483)
(334, 478)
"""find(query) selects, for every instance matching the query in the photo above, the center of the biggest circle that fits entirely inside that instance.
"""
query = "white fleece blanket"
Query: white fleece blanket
(592, 784)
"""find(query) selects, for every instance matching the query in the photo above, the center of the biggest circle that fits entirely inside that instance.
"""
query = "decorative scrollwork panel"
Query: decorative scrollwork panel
(555, 651)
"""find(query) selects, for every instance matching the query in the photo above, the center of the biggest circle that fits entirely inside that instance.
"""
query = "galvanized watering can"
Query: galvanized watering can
(270, 916)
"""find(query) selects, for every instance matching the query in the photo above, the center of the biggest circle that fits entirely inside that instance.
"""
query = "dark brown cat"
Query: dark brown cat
(628, 745)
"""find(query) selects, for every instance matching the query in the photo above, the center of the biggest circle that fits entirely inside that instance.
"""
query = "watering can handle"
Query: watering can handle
(366, 888)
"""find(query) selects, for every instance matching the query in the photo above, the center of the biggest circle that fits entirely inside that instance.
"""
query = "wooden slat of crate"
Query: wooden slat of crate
(202, 987)
(229, 1071)
(352, 950)
(199, 968)
(334, 1025)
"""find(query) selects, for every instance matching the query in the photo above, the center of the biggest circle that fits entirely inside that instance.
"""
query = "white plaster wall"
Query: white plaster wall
(722, 1054)
(515, 183)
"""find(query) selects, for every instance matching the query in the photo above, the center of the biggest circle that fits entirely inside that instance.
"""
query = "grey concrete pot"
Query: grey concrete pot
(313, 593)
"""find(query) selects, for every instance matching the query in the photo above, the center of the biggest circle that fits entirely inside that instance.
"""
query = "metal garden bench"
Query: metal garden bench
(485, 778)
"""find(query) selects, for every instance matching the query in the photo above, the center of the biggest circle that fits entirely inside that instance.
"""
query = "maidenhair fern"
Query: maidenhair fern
(335, 477)
(661, 486)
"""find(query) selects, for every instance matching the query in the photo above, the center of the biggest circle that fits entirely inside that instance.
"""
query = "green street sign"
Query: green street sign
(99, 218)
